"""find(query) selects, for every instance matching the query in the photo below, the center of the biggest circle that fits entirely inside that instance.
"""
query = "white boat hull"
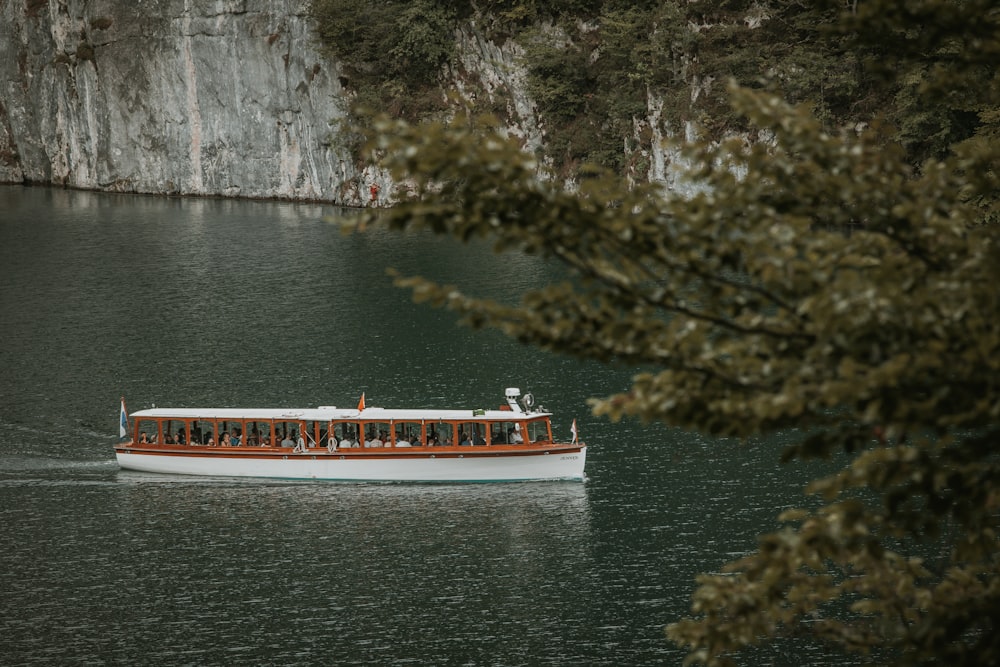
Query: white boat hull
(471, 465)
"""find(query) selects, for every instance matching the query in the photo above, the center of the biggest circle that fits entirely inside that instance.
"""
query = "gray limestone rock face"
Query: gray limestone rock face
(229, 98)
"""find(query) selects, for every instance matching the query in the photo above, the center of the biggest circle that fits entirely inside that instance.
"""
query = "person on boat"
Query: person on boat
(463, 440)
(514, 436)
(287, 441)
(479, 440)
(211, 441)
(235, 439)
(402, 441)
(374, 441)
(143, 438)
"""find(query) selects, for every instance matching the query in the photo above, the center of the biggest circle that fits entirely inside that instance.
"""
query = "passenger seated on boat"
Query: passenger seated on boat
(235, 439)
(180, 438)
(143, 438)
(374, 442)
(463, 440)
(348, 442)
(287, 441)
(211, 441)
(499, 438)
(514, 436)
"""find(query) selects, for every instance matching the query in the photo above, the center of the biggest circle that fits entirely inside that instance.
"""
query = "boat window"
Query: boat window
(175, 432)
(146, 430)
(200, 431)
(257, 434)
(231, 433)
(346, 433)
(312, 434)
(407, 434)
(538, 431)
(336, 430)
(285, 433)
(471, 433)
(440, 433)
(375, 434)
(506, 433)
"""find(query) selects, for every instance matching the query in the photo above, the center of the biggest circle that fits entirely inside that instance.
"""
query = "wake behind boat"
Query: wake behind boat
(512, 443)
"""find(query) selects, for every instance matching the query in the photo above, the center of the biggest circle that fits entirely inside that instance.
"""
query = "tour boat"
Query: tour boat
(512, 443)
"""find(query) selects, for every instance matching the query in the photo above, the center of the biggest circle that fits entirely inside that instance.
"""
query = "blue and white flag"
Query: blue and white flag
(123, 422)
(572, 429)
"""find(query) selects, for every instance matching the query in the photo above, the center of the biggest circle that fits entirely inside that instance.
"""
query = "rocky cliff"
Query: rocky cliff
(230, 97)
(212, 97)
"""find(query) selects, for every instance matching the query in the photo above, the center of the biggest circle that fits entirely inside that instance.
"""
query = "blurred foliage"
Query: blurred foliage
(823, 282)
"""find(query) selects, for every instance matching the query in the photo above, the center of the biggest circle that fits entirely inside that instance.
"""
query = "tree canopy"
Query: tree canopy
(819, 281)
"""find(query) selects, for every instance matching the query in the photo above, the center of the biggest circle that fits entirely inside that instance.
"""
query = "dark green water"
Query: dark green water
(223, 303)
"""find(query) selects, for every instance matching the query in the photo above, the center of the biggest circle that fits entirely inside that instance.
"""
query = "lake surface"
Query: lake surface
(218, 303)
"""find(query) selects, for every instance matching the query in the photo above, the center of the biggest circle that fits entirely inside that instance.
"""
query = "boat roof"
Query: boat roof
(329, 412)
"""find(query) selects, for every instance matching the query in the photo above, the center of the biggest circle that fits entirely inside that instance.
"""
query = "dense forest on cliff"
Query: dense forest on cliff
(594, 66)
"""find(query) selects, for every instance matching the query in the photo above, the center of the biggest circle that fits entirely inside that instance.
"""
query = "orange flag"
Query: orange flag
(361, 403)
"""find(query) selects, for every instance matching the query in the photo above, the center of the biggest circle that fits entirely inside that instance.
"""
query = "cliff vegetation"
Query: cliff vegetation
(595, 65)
